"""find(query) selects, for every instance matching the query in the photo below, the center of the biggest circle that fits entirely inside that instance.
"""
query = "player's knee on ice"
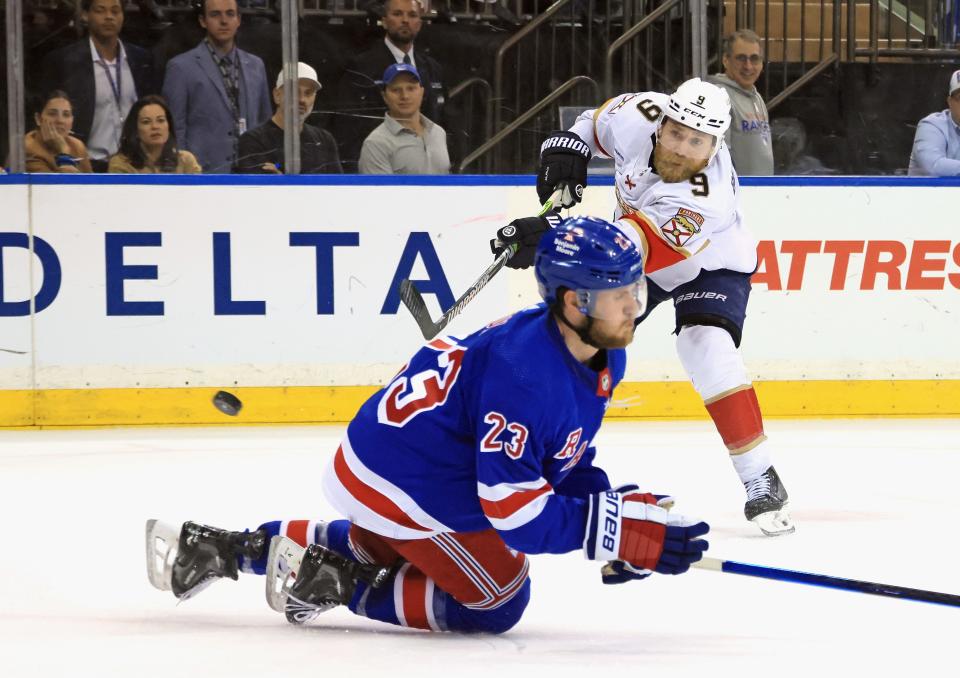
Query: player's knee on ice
(497, 620)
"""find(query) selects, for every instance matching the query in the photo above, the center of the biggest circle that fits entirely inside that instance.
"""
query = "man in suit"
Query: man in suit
(361, 103)
(104, 77)
(216, 91)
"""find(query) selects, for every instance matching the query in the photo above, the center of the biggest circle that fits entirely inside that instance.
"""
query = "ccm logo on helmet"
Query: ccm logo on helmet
(690, 111)
(575, 145)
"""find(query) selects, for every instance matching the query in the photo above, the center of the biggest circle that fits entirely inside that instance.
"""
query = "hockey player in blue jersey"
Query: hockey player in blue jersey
(476, 455)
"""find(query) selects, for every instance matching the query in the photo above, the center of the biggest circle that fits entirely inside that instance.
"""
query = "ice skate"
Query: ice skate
(188, 563)
(304, 582)
(767, 504)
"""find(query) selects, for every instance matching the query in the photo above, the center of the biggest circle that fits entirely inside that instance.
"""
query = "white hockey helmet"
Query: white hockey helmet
(701, 106)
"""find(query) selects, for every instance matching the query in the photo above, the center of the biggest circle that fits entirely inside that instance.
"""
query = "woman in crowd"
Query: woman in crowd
(148, 144)
(50, 147)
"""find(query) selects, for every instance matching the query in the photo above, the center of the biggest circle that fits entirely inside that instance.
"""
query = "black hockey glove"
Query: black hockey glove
(525, 234)
(563, 158)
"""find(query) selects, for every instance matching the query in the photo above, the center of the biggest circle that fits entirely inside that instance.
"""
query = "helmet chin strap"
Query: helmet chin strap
(584, 333)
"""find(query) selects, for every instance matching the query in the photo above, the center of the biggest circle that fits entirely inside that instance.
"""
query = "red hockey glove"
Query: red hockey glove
(632, 528)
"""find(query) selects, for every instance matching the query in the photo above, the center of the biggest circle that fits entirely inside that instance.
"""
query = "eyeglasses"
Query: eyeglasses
(754, 59)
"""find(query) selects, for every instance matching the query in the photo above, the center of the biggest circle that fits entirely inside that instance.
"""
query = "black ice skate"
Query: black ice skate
(767, 504)
(199, 556)
(302, 583)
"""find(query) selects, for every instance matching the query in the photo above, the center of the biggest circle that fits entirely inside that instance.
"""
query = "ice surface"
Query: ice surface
(873, 500)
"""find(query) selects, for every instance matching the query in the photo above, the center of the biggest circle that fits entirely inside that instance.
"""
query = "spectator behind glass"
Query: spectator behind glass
(936, 146)
(148, 145)
(103, 75)
(406, 142)
(358, 92)
(216, 91)
(748, 137)
(261, 149)
(50, 147)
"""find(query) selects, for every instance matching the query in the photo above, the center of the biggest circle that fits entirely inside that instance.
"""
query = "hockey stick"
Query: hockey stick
(413, 300)
(825, 580)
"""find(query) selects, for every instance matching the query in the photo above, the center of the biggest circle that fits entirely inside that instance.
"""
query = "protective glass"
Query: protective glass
(618, 303)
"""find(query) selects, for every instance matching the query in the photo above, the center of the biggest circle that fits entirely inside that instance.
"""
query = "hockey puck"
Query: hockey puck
(227, 403)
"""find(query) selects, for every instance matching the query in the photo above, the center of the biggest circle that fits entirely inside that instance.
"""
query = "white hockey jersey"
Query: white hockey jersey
(685, 227)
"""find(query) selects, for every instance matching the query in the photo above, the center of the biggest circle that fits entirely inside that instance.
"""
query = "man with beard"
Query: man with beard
(677, 199)
(360, 105)
(457, 470)
(261, 150)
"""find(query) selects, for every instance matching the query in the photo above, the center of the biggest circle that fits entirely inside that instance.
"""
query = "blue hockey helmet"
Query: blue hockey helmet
(588, 255)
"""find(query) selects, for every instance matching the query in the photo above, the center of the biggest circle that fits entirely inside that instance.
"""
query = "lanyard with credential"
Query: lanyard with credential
(231, 75)
(116, 87)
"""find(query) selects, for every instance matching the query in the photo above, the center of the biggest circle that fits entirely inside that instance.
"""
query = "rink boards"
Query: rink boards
(131, 300)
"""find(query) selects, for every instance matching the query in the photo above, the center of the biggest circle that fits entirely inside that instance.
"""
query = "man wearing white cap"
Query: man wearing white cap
(261, 149)
(936, 146)
(407, 141)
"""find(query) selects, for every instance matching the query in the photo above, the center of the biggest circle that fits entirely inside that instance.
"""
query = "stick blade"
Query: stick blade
(413, 300)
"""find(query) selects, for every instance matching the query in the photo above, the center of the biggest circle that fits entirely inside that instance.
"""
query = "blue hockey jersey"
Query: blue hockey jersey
(494, 429)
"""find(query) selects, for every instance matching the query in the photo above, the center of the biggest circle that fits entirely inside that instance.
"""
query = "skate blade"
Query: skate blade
(162, 541)
(283, 562)
(775, 523)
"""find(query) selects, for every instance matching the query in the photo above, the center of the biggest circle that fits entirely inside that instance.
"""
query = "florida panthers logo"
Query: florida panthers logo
(682, 226)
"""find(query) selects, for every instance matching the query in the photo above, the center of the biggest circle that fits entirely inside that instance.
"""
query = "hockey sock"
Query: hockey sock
(752, 464)
(412, 599)
(737, 417)
(304, 532)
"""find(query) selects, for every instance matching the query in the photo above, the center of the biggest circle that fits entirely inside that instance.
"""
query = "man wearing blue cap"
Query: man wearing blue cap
(406, 142)
(358, 93)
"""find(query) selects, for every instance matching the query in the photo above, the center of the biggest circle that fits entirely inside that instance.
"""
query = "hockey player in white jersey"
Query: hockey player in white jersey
(677, 198)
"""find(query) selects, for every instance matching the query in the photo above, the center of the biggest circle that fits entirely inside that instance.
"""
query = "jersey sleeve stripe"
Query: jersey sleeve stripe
(514, 502)
(525, 514)
(596, 137)
(660, 254)
(503, 490)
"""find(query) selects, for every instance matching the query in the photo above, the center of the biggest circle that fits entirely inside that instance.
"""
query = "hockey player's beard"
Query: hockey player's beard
(606, 336)
(673, 167)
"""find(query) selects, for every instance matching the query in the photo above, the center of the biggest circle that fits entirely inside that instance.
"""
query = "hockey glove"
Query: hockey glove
(563, 158)
(617, 571)
(632, 528)
(663, 500)
(524, 235)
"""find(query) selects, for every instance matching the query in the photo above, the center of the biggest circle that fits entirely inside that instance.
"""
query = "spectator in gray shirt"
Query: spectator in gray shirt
(936, 146)
(406, 142)
(748, 136)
